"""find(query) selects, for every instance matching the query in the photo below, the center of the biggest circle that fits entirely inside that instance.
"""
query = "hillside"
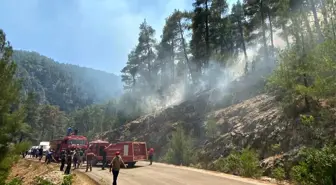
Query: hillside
(68, 86)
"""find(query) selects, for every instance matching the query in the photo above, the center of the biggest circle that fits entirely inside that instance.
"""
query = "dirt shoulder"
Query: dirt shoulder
(29, 169)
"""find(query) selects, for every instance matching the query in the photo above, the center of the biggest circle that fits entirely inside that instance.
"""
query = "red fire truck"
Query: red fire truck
(71, 142)
(131, 152)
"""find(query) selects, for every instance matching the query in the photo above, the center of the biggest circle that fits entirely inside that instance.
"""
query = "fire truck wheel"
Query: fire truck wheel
(130, 165)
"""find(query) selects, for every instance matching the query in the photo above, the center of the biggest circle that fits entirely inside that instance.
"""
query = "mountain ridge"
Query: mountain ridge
(66, 85)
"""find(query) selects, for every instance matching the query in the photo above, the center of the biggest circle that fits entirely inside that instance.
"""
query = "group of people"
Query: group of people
(71, 158)
(35, 153)
(76, 158)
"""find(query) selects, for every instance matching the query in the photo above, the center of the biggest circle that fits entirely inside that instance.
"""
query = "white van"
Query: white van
(45, 145)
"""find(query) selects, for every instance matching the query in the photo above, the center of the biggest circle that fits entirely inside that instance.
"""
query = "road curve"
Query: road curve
(163, 174)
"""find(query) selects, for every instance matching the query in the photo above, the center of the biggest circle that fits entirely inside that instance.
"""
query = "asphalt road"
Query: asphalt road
(162, 174)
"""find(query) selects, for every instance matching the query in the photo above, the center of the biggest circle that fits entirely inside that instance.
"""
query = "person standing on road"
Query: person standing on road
(104, 159)
(69, 162)
(81, 157)
(89, 159)
(150, 155)
(75, 158)
(33, 154)
(40, 152)
(115, 165)
(63, 159)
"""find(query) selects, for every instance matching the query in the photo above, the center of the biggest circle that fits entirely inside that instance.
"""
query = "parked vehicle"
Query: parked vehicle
(45, 145)
(71, 142)
(131, 152)
(97, 148)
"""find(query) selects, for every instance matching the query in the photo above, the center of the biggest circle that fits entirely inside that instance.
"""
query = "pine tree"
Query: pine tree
(11, 114)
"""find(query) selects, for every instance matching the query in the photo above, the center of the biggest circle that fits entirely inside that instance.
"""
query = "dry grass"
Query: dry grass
(28, 169)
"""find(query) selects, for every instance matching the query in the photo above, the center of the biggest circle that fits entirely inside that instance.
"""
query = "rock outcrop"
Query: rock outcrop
(257, 122)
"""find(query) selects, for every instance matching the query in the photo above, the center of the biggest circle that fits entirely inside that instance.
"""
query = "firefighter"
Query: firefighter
(150, 155)
(69, 131)
(69, 162)
(34, 153)
(81, 157)
(40, 153)
(89, 159)
(75, 158)
(104, 159)
(63, 159)
(115, 165)
(48, 156)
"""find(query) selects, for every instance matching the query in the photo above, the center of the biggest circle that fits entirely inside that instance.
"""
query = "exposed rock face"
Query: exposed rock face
(156, 129)
(256, 122)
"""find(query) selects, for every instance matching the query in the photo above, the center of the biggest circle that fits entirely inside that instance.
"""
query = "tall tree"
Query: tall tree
(238, 19)
(145, 51)
(11, 115)
(200, 41)
(256, 12)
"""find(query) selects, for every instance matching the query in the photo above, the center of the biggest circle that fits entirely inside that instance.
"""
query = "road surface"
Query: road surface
(162, 174)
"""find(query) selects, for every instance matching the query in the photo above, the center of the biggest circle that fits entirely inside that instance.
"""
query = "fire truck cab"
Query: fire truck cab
(71, 142)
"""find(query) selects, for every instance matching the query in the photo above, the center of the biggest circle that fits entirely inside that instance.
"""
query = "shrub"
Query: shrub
(245, 164)
(41, 181)
(279, 173)
(318, 167)
(67, 180)
(180, 151)
(15, 181)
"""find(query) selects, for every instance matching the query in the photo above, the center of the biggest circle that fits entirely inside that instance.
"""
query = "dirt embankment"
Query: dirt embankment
(28, 170)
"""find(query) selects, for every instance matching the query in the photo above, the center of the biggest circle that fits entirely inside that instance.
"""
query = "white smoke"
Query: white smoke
(216, 76)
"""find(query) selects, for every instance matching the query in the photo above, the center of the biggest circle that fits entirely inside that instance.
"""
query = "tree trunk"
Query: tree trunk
(316, 21)
(263, 31)
(271, 30)
(173, 60)
(332, 20)
(296, 26)
(207, 33)
(284, 28)
(305, 80)
(307, 25)
(242, 40)
(185, 50)
(324, 12)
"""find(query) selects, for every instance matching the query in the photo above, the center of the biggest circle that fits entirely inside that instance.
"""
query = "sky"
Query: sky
(91, 33)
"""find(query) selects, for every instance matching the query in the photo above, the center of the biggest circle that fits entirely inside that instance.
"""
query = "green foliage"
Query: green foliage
(211, 128)
(65, 85)
(308, 77)
(180, 151)
(40, 181)
(318, 167)
(11, 114)
(15, 181)
(245, 164)
(279, 174)
(307, 119)
(67, 180)
(275, 148)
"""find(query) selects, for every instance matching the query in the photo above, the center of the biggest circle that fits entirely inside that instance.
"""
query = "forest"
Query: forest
(208, 47)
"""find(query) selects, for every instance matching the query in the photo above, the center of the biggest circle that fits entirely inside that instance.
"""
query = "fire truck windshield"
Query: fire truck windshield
(77, 142)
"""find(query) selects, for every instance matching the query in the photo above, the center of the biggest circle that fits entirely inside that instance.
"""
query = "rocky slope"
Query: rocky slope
(256, 122)
(245, 120)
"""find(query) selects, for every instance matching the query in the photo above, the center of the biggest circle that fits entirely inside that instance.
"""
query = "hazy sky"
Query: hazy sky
(91, 33)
